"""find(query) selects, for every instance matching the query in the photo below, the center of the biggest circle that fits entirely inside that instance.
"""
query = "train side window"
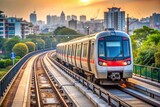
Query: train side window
(73, 49)
(92, 51)
(68, 50)
(65, 50)
(78, 50)
(126, 48)
(101, 51)
(85, 50)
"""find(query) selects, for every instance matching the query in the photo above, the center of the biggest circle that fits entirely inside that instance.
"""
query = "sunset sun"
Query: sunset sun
(84, 1)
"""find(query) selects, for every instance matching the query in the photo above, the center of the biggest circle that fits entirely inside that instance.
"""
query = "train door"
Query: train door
(74, 54)
(78, 55)
(84, 56)
(69, 53)
(63, 53)
(91, 56)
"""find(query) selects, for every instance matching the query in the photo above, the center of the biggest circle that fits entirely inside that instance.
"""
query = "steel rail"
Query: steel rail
(36, 83)
(102, 93)
(53, 85)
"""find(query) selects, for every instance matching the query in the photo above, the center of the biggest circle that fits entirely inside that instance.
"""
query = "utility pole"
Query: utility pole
(127, 24)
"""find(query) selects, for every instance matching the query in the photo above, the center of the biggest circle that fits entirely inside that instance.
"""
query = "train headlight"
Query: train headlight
(128, 62)
(102, 63)
(125, 63)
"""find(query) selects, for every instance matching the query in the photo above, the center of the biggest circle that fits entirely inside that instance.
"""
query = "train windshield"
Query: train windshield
(114, 48)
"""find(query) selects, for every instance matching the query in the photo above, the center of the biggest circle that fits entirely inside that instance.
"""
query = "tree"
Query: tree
(157, 59)
(31, 36)
(134, 47)
(20, 49)
(40, 43)
(2, 41)
(140, 35)
(10, 43)
(155, 38)
(31, 46)
(48, 38)
(145, 54)
(67, 31)
(58, 29)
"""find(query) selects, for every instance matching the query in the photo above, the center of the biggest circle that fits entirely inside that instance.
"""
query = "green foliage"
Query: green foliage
(10, 43)
(40, 43)
(158, 47)
(48, 40)
(65, 31)
(134, 47)
(2, 41)
(8, 62)
(31, 46)
(140, 35)
(5, 62)
(146, 55)
(2, 64)
(31, 36)
(58, 29)
(20, 49)
(155, 38)
(26, 40)
(145, 43)
(3, 71)
(157, 59)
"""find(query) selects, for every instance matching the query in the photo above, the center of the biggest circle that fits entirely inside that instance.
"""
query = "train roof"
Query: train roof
(96, 35)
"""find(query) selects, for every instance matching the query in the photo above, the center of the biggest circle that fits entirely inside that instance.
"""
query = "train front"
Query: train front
(115, 59)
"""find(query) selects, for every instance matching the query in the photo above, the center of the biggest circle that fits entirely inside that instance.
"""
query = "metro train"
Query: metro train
(105, 58)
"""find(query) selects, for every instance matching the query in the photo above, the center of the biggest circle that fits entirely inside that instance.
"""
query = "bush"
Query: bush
(9, 44)
(20, 49)
(3, 64)
(157, 59)
(31, 46)
(8, 62)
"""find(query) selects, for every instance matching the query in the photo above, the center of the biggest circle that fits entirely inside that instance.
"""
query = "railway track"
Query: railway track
(51, 86)
(119, 92)
(44, 92)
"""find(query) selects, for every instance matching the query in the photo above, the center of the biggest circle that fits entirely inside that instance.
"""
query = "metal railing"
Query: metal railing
(7, 80)
(102, 93)
(148, 72)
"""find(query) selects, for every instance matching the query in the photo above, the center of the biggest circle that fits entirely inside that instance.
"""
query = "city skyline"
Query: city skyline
(90, 8)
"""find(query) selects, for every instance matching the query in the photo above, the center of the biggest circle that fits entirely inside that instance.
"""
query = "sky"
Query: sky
(90, 8)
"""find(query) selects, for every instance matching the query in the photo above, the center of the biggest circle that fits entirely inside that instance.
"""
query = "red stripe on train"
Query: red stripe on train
(114, 63)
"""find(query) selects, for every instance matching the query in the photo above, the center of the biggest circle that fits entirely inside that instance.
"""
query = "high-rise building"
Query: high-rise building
(12, 26)
(155, 21)
(33, 18)
(114, 18)
(48, 19)
(83, 18)
(68, 18)
(74, 17)
(2, 24)
(62, 18)
(55, 19)
(72, 24)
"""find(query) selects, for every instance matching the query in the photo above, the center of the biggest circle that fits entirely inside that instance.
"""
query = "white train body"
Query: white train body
(107, 55)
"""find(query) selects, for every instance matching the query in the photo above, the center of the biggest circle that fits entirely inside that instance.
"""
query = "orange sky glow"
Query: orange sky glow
(90, 8)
